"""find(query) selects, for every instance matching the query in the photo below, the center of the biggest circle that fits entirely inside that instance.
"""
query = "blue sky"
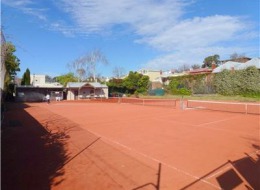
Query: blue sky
(132, 34)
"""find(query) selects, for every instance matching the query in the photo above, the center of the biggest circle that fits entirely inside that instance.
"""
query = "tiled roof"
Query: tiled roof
(200, 70)
(253, 62)
(228, 65)
(238, 66)
(81, 84)
(75, 84)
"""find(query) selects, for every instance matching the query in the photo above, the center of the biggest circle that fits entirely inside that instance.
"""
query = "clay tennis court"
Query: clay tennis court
(101, 145)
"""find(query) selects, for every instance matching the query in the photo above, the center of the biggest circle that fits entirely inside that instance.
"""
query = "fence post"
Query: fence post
(181, 103)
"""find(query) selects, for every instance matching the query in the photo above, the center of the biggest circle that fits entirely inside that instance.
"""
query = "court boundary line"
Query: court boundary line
(202, 125)
(217, 121)
(153, 159)
(173, 167)
(164, 163)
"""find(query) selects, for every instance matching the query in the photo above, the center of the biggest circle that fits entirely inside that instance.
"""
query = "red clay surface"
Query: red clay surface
(70, 145)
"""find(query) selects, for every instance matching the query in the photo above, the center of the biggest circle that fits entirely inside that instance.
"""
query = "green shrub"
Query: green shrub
(181, 91)
(193, 84)
(179, 87)
(242, 82)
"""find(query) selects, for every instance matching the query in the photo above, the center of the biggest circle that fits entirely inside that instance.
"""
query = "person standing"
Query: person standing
(48, 98)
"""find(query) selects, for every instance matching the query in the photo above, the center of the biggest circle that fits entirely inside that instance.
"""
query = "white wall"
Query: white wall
(85, 93)
(70, 95)
(2, 69)
(37, 80)
(105, 90)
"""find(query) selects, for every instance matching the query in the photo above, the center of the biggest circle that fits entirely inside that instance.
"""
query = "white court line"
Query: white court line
(202, 124)
(69, 104)
(159, 161)
(217, 121)
(219, 172)
(156, 160)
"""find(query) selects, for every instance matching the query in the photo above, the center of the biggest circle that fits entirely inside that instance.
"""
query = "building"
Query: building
(40, 81)
(39, 89)
(253, 62)
(167, 75)
(152, 74)
(200, 71)
(231, 65)
(85, 90)
(2, 68)
(37, 80)
(38, 94)
(239, 60)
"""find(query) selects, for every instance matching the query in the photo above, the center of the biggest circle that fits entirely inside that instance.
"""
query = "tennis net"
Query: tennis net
(171, 103)
(248, 108)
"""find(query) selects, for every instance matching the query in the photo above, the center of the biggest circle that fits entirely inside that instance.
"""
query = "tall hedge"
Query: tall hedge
(26, 79)
(241, 82)
(134, 83)
(237, 82)
(179, 86)
(191, 84)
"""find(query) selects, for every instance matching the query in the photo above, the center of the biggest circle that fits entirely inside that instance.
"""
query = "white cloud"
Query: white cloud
(193, 56)
(159, 24)
(60, 26)
(197, 32)
(17, 3)
(27, 7)
(144, 16)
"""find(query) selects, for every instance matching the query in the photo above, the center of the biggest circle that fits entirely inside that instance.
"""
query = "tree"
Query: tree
(64, 79)
(48, 79)
(116, 86)
(23, 79)
(79, 67)
(195, 66)
(26, 79)
(118, 72)
(88, 62)
(184, 67)
(92, 59)
(131, 81)
(236, 55)
(209, 60)
(136, 82)
(143, 84)
(12, 67)
(177, 86)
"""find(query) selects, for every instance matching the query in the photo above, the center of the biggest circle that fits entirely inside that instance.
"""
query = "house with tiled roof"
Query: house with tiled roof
(85, 90)
(152, 74)
(231, 65)
(200, 71)
(239, 60)
(253, 62)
